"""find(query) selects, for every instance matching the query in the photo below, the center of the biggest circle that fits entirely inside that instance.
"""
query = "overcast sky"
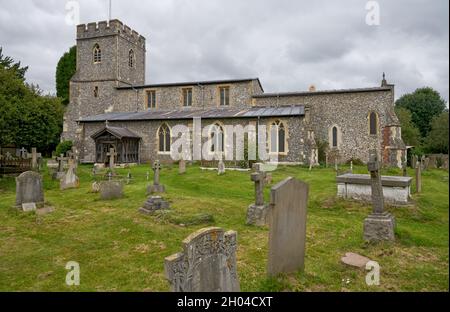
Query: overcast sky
(288, 44)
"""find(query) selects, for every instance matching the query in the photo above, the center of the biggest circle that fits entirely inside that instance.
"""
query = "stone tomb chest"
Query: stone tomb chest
(396, 190)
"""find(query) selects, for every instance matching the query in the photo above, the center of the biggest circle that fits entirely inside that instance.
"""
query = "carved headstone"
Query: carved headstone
(111, 190)
(206, 264)
(379, 225)
(287, 223)
(154, 203)
(29, 189)
(70, 179)
(257, 212)
(156, 187)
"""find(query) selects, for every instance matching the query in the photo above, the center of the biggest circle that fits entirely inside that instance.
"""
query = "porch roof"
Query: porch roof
(119, 133)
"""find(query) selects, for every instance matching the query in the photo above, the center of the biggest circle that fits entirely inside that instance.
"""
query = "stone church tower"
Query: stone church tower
(109, 55)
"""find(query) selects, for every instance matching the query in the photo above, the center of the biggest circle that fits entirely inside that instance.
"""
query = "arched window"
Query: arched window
(97, 54)
(373, 123)
(164, 139)
(277, 137)
(217, 138)
(131, 58)
(334, 137)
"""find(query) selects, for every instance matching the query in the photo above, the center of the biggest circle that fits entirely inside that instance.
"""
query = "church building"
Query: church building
(111, 106)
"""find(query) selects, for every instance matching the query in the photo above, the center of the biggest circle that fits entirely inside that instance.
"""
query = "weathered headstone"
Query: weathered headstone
(221, 167)
(23, 153)
(287, 224)
(153, 204)
(257, 212)
(418, 178)
(156, 187)
(111, 190)
(206, 264)
(182, 166)
(379, 225)
(34, 159)
(70, 179)
(29, 188)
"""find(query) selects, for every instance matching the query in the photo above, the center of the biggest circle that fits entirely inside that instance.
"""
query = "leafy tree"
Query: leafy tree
(8, 63)
(410, 133)
(27, 118)
(64, 71)
(437, 139)
(424, 104)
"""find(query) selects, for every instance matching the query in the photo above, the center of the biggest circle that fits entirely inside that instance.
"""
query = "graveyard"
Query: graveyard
(119, 248)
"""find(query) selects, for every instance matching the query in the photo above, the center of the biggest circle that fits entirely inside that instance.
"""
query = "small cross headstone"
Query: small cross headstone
(112, 155)
(29, 188)
(156, 187)
(23, 153)
(379, 225)
(287, 224)
(418, 178)
(70, 179)
(257, 212)
(60, 173)
(206, 264)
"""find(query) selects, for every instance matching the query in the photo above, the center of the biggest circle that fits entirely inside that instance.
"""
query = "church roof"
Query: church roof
(214, 113)
(319, 92)
(191, 83)
(119, 133)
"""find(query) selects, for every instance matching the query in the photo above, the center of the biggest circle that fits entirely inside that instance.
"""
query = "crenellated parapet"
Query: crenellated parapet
(111, 28)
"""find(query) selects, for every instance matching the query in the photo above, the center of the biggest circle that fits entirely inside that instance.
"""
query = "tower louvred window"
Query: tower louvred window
(97, 54)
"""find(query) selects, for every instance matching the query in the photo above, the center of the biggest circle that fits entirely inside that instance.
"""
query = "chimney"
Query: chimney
(312, 88)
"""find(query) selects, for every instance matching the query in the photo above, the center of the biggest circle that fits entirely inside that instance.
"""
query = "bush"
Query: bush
(63, 147)
(322, 147)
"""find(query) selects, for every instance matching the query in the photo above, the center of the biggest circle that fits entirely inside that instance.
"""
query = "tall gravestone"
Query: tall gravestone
(156, 187)
(70, 179)
(379, 225)
(287, 223)
(29, 189)
(418, 178)
(182, 166)
(257, 212)
(206, 264)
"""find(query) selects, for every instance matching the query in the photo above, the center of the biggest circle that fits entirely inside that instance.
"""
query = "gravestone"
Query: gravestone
(111, 190)
(156, 187)
(29, 189)
(257, 212)
(153, 204)
(60, 173)
(221, 167)
(432, 162)
(112, 154)
(418, 178)
(23, 153)
(34, 159)
(287, 224)
(95, 187)
(206, 264)
(414, 161)
(182, 166)
(379, 225)
(426, 164)
(70, 179)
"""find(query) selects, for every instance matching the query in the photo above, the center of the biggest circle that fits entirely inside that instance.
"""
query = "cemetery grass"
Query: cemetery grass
(119, 249)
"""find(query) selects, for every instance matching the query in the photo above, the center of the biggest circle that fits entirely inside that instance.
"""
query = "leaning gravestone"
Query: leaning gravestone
(111, 190)
(29, 189)
(70, 179)
(206, 264)
(287, 224)
(156, 187)
(379, 225)
(257, 212)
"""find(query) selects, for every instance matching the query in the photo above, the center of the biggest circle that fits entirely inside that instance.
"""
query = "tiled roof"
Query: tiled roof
(319, 92)
(117, 132)
(215, 113)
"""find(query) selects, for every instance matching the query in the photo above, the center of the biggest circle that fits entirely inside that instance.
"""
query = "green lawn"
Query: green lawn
(120, 249)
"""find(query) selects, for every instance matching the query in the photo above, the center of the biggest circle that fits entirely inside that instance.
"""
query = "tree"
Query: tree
(410, 133)
(8, 63)
(65, 69)
(424, 104)
(437, 139)
(27, 118)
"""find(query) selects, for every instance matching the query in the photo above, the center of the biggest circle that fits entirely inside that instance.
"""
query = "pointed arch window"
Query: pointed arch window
(277, 137)
(373, 123)
(217, 138)
(334, 137)
(164, 139)
(97, 54)
(131, 58)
